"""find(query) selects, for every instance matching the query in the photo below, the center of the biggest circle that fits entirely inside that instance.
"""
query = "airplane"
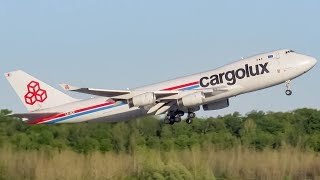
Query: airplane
(210, 90)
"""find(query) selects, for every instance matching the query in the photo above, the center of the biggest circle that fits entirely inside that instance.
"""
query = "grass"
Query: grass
(198, 163)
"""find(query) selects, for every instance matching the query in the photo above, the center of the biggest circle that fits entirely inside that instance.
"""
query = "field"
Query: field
(207, 163)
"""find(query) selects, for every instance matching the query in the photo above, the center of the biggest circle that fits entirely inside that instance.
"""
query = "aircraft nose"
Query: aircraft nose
(308, 62)
(312, 61)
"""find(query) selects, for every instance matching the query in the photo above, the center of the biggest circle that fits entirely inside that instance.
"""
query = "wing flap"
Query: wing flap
(164, 108)
(156, 107)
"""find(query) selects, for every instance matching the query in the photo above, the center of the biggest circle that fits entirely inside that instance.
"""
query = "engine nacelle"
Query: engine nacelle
(216, 105)
(142, 100)
(192, 100)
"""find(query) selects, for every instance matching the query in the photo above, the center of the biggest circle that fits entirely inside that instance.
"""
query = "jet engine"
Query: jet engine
(142, 100)
(192, 100)
(216, 105)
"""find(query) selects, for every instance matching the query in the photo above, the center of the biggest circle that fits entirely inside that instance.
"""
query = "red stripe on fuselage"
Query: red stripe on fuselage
(180, 86)
(66, 114)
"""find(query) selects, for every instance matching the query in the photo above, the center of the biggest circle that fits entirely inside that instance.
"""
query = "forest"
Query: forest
(257, 145)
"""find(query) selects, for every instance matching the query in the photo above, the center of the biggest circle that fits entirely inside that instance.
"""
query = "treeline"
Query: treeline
(255, 130)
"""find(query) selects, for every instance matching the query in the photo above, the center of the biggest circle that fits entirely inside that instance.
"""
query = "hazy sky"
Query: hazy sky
(120, 44)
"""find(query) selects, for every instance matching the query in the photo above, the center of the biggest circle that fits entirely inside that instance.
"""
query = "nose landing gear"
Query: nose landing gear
(288, 91)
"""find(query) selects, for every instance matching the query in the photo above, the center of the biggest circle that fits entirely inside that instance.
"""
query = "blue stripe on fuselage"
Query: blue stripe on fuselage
(190, 88)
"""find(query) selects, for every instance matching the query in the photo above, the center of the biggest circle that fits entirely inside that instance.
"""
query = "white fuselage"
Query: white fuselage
(247, 75)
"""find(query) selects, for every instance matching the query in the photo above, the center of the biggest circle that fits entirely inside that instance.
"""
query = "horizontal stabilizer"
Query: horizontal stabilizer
(32, 116)
(96, 92)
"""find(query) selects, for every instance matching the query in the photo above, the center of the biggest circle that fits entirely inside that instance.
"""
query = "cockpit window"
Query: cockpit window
(290, 51)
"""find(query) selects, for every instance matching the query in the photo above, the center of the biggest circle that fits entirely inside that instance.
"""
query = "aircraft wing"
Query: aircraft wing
(165, 99)
(115, 94)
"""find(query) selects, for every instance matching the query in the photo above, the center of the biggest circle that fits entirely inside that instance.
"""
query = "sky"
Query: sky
(125, 44)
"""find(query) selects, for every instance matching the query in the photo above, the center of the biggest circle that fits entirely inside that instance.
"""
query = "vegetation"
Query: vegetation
(259, 145)
(197, 163)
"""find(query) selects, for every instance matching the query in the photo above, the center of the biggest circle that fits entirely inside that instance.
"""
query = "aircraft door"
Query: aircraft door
(278, 62)
(278, 55)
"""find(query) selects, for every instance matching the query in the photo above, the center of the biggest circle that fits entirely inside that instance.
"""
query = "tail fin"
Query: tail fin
(35, 94)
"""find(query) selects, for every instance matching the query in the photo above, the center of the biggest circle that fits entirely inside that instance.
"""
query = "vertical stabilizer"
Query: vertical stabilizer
(35, 94)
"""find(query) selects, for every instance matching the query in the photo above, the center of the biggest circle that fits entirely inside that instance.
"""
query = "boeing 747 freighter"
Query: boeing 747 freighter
(210, 90)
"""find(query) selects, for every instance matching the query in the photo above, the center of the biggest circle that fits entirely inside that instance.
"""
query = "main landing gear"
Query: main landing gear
(175, 117)
(288, 91)
(190, 117)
